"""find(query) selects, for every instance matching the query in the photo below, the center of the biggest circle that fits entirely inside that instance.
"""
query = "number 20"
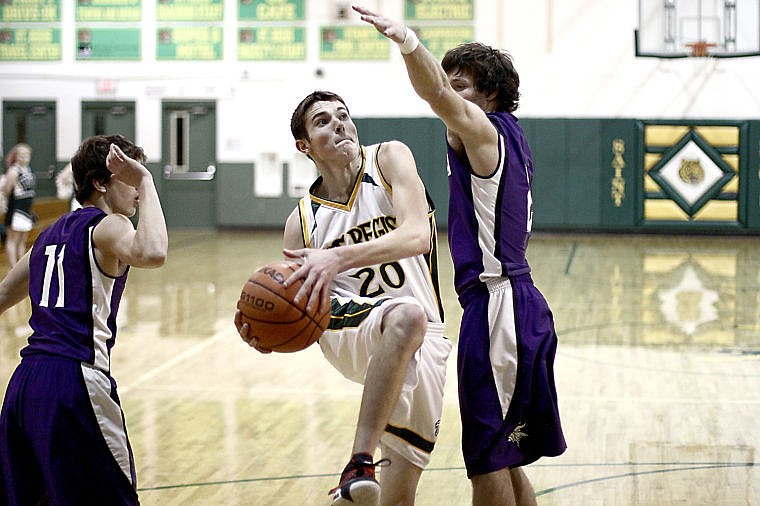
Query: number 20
(369, 274)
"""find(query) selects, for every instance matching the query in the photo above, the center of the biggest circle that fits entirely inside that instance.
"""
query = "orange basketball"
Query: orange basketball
(273, 318)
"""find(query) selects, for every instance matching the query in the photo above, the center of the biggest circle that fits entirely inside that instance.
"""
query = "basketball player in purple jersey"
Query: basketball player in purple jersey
(507, 342)
(63, 437)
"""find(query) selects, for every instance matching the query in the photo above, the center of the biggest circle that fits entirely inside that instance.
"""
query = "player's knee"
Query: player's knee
(405, 325)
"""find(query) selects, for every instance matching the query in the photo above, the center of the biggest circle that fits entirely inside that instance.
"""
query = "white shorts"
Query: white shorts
(21, 222)
(413, 427)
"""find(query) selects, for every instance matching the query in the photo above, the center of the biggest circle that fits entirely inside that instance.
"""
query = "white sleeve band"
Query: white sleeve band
(410, 42)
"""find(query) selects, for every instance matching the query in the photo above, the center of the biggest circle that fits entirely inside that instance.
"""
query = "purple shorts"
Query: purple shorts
(53, 447)
(505, 363)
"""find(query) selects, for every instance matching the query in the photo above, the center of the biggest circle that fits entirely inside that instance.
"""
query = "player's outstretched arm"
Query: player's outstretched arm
(466, 123)
(425, 73)
(428, 79)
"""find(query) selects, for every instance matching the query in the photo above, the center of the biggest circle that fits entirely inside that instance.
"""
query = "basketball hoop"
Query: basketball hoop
(699, 48)
(697, 29)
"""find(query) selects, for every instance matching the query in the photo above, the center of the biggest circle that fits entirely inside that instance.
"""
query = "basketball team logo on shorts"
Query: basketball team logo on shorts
(517, 434)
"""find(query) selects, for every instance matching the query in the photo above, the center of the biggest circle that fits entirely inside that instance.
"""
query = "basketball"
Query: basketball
(273, 318)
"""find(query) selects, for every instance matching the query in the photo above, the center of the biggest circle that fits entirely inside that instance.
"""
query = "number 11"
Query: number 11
(51, 261)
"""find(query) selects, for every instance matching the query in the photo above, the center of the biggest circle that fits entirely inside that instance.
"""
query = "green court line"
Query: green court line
(684, 466)
(570, 257)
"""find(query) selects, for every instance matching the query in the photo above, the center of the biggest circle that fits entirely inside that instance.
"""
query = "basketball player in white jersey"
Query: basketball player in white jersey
(366, 239)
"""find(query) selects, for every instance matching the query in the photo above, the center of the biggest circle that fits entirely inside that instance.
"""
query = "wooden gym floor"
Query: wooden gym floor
(658, 375)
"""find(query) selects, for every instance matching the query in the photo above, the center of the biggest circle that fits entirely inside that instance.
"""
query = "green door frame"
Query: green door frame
(107, 118)
(34, 122)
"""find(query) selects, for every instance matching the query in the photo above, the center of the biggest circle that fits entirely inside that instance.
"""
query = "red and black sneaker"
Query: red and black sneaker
(358, 485)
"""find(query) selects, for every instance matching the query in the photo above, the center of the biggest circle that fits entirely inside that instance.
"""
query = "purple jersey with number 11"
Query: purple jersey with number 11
(490, 218)
(74, 303)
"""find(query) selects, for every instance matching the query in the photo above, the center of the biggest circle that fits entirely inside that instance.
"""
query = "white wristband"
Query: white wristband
(410, 42)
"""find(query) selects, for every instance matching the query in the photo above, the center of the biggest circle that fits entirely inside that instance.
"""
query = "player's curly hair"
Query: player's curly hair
(89, 163)
(491, 70)
(298, 119)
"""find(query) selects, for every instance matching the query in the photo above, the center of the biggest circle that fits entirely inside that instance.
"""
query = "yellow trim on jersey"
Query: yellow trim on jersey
(380, 170)
(431, 259)
(304, 222)
(357, 182)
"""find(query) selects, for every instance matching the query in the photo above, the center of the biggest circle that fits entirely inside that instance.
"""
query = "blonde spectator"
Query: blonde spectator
(19, 190)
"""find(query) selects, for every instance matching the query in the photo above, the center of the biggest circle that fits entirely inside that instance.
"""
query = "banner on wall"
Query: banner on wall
(189, 10)
(271, 10)
(30, 11)
(30, 44)
(438, 10)
(189, 43)
(439, 39)
(272, 43)
(353, 43)
(108, 44)
(109, 10)
(265, 39)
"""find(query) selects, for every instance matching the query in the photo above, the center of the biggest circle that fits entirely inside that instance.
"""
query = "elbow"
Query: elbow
(420, 244)
(158, 259)
(153, 260)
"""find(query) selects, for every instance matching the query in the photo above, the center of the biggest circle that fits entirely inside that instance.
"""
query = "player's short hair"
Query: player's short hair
(298, 119)
(89, 163)
(491, 71)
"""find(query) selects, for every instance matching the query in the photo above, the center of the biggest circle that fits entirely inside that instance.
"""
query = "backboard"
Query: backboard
(698, 28)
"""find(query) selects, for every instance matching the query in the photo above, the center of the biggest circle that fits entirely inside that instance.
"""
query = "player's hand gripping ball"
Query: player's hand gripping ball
(273, 318)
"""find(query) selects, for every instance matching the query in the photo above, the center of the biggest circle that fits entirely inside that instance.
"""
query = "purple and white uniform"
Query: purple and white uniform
(62, 432)
(507, 342)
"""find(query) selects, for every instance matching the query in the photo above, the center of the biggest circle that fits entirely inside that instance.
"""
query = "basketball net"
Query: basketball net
(699, 48)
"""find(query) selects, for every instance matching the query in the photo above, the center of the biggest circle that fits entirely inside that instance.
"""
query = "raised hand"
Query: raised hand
(125, 168)
(394, 30)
